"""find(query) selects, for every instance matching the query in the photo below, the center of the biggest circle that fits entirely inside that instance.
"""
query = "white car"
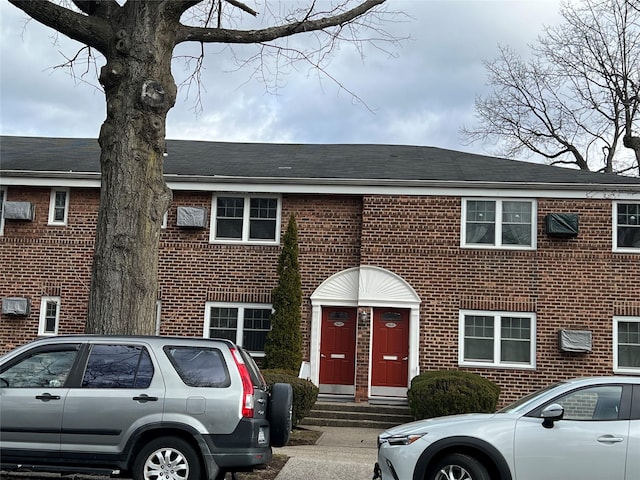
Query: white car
(586, 428)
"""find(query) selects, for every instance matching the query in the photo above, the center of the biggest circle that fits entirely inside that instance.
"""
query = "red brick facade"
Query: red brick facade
(577, 283)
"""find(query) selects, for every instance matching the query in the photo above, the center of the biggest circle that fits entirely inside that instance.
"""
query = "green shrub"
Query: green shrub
(449, 392)
(305, 393)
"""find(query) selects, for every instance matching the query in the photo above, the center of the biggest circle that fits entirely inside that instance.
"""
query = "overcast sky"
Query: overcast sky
(420, 92)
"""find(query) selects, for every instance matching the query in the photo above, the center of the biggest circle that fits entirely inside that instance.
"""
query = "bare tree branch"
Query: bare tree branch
(221, 35)
(89, 30)
(100, 8)
(138, 39)
(577, 97)
(242, 7)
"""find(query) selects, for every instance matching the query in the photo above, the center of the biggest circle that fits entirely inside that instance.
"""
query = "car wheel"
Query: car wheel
(458, 467)
(280, 410)
(167, 458)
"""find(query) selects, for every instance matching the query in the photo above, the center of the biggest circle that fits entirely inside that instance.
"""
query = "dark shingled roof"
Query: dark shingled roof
(294, 161)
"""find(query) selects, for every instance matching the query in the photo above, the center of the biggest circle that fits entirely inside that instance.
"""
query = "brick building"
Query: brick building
(412, 258)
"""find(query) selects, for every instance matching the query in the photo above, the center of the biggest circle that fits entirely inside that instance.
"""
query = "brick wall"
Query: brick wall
(570, 284)
(575, 283)
(41, 260)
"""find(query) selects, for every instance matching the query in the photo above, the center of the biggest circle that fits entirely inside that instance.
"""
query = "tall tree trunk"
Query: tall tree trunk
(140, 90)
(634, 144)
(137, 39)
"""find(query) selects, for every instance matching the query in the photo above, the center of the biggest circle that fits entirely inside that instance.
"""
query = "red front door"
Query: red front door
(389, 366)
(338, 346)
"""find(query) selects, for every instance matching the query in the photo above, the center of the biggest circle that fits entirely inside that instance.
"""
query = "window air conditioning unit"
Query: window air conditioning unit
(192, 217)
(16, 306)
(575, 341)
(562, 225)
(18, 211)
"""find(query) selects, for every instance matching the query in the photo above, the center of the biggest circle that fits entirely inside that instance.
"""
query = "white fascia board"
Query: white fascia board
(628, 192)
(458, 189)
(51, 179)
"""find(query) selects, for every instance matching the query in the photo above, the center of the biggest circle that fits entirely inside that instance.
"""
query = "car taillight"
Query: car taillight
(247, 385)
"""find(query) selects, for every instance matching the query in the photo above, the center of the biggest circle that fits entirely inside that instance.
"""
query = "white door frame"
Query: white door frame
(365, 286)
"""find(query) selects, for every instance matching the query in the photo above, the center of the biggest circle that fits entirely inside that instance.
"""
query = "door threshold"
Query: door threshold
(332, 397)
(388, 401)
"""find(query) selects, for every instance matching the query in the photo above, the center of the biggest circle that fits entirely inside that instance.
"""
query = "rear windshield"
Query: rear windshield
(199, 366)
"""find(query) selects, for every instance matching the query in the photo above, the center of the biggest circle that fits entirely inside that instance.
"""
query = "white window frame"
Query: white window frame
(52, 206)
(497, 317)
(615, 228)
(43, 316)
(246, 220)
(616, 367)
(158, 316)
(3, 197)
(497, 245)
(240, 328)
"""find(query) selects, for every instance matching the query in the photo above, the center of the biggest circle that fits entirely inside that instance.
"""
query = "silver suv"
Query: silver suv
(154, 408)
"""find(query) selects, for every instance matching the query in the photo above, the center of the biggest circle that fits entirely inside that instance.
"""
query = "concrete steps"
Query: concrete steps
(348, 414)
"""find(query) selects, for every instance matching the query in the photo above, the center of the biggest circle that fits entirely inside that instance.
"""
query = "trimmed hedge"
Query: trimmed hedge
(449, 392)
(305, 393)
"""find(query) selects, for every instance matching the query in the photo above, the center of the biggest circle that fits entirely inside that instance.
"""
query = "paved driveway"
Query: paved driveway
(340, 453)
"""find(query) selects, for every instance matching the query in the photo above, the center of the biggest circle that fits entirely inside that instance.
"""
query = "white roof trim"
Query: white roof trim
(608, 192)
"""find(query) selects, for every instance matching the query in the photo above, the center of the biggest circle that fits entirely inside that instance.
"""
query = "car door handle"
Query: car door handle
(145, 398)
(610, 439)
(45, 397)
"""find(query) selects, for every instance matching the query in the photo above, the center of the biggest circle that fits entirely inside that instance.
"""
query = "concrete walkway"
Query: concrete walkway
(340, 453)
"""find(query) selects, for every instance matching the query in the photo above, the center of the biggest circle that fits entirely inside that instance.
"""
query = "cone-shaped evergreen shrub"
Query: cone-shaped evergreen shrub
(283, 348)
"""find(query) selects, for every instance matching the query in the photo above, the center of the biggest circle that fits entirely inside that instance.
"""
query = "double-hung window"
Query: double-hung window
(626, 227)
(49, 316)
(245, 324)
(498, 223)
(248, 219)
(626, 344)
(58, 206)
(497, 339)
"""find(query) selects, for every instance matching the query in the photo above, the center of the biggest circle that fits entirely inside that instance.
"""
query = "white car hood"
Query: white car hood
(449, 422)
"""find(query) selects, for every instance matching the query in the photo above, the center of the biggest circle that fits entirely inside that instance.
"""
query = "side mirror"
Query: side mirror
(3, 383)
(551, 413)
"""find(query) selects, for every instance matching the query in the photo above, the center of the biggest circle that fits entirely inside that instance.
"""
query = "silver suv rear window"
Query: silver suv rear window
(199, 366)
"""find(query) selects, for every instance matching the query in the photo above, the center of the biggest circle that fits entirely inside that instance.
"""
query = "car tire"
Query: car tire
(167, 458)
(280, 411)
(456, 466)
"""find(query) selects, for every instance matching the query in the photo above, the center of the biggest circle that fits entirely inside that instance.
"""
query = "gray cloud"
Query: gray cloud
(420, 95)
